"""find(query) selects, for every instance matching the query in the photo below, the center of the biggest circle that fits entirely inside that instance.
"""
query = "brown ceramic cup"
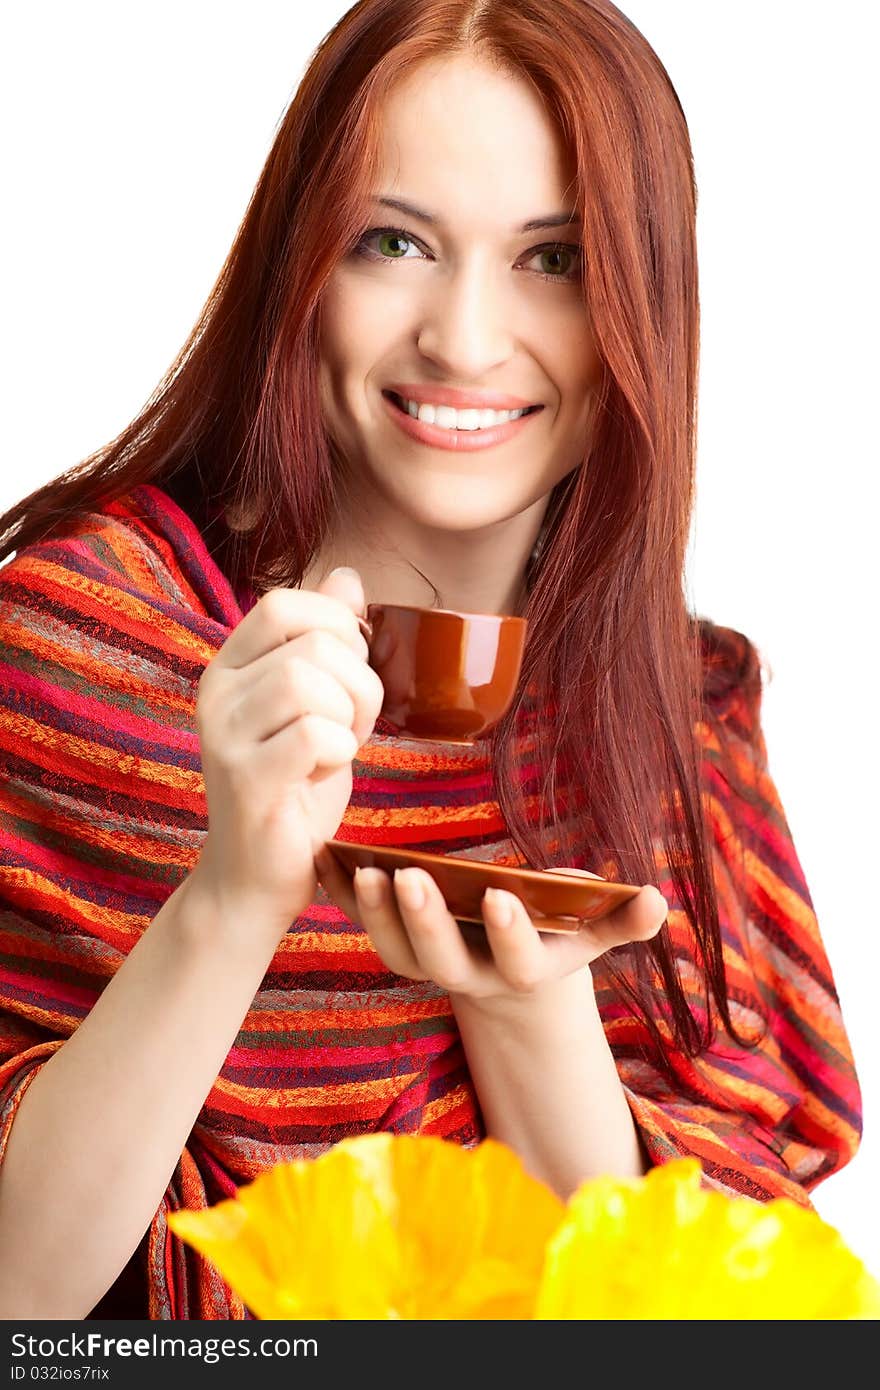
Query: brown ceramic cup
(448, 676)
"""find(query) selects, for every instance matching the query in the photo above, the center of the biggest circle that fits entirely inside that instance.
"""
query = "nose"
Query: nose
(466, 329)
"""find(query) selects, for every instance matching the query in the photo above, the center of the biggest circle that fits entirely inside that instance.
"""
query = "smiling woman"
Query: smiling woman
(456, 330)
(451, 360)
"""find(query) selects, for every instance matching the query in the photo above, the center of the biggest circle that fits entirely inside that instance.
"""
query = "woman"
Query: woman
(451, 359)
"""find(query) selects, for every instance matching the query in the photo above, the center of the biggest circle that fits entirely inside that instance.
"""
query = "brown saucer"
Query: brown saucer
(567, 899)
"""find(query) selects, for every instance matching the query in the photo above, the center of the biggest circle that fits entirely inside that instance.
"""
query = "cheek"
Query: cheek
(360, 321)
(344, 360)
(577, 368)
(335, 345)
(558, 334)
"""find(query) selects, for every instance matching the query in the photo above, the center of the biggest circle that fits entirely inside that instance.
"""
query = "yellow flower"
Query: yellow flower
(383, 1226)
(663, 1247)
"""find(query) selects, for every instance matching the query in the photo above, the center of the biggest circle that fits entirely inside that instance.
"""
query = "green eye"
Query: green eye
(393, 244)
(557, 260)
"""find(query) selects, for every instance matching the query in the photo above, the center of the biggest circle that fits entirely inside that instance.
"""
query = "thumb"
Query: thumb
(345, 584)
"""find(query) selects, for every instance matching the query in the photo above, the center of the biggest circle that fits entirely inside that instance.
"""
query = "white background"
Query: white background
(132, 136)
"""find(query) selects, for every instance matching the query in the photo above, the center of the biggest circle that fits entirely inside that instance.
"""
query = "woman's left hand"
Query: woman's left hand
(417, 936)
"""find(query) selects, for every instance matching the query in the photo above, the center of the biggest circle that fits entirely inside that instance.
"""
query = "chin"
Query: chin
(458, 503)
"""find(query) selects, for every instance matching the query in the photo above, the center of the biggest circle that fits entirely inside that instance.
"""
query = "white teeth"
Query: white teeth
(447, 418)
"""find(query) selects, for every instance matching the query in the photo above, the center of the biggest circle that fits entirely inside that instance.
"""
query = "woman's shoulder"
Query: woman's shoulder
(732, 675)
(137, 552)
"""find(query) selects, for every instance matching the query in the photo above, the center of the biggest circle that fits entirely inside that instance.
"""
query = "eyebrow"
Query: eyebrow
(534, 224)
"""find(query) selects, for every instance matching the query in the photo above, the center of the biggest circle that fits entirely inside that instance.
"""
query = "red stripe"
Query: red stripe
(343, 1056)
(47, 992)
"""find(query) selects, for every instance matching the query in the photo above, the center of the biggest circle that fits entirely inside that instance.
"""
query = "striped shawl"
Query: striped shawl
(103, 636)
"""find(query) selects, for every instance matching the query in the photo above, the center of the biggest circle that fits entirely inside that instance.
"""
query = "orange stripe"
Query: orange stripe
(136, 550)
(432, 814)
(115, 928)
(346, 1020)
(349, 1094)
(97, 599)
(442, 1108)
(142, 846)
(320, 943)
(19, 727)
(79, 662)
(408, 757)
(762, 1100)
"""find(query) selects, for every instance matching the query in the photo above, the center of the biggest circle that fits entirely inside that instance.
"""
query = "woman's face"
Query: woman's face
(453, 312)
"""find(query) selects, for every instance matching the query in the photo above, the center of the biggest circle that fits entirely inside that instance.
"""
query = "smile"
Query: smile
(445, 427)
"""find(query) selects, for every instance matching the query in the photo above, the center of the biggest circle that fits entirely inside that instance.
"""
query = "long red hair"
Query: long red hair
(236, 423)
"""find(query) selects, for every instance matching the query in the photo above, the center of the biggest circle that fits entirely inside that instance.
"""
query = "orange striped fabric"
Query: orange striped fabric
(103, 636)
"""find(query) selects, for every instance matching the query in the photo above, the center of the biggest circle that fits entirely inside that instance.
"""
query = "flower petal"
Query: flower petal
(383, 1226)
(473, 1225)
(664, 1247)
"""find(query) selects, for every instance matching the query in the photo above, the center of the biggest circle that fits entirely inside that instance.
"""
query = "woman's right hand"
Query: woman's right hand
(281, 712)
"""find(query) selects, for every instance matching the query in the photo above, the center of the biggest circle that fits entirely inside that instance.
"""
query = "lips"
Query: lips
(446, 435)
(450, 418)
(425, 394)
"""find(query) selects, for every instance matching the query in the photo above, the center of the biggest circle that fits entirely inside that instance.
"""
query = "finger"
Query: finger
(642, 916)
(435, 937)
(285, 691)
(638, 919)
(309, 659)
(379, 913)
(345, 584)
(337, 881)
(297, 750)
(518, 949)
(549, 923)
(523, 964)
(282, 614)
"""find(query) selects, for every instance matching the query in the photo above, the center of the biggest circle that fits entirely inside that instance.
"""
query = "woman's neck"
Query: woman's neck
(472, 573)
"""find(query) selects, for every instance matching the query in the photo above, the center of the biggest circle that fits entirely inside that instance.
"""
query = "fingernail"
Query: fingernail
(409, 890)
(345, 569)
(369, 890)
(500, 907)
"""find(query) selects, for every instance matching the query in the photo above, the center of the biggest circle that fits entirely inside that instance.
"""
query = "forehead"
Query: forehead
(466, 139)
